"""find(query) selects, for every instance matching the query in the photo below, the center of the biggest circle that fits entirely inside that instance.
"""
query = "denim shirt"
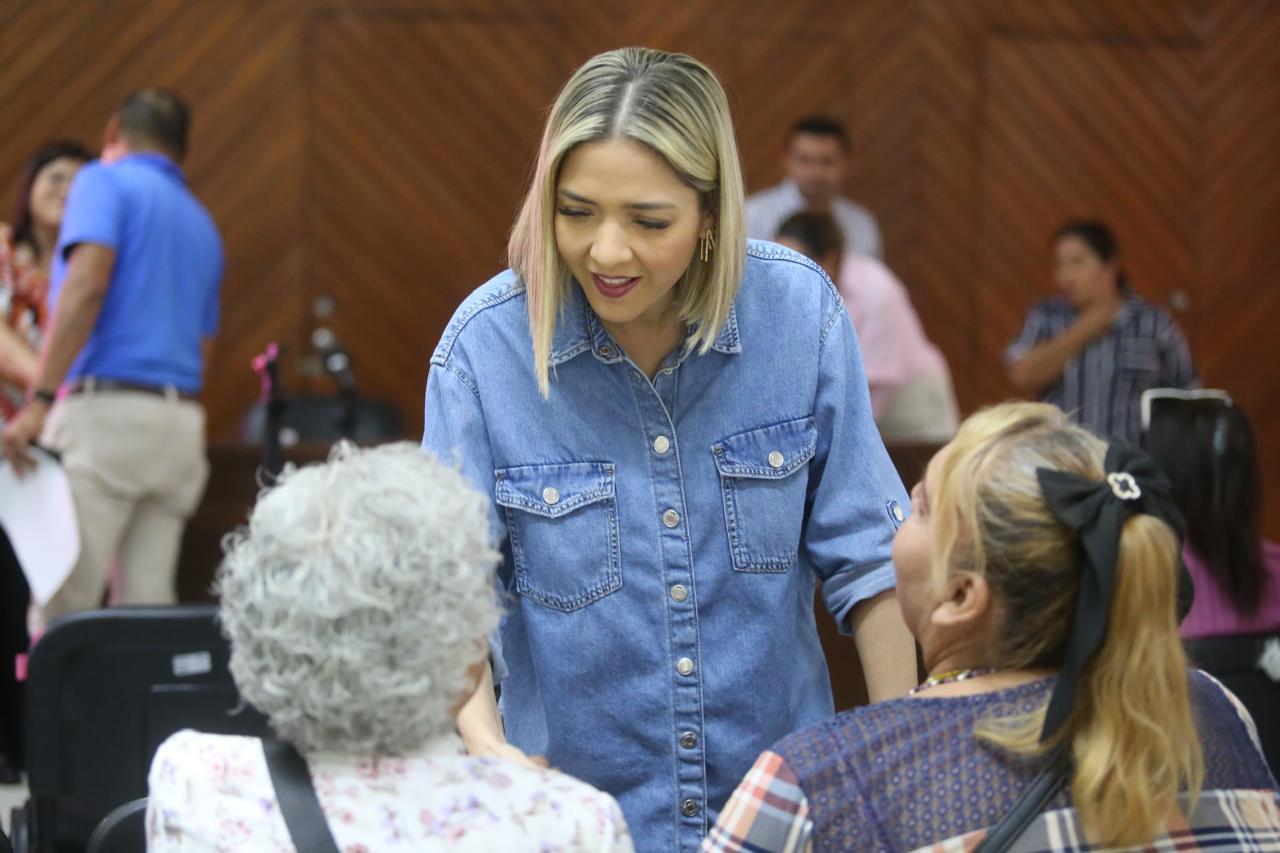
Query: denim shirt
(661, 539)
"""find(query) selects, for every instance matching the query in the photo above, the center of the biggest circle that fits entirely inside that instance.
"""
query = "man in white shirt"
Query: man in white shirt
(817, 160)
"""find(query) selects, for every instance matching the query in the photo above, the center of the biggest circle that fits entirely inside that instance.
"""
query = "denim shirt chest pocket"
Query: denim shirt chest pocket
(562, 520)
(764, 483)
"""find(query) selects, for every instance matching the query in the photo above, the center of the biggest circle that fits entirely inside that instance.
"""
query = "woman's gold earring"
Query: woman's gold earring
(706, 244)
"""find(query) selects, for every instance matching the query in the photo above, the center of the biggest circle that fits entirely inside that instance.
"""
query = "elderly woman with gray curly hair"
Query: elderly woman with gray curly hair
(358, 602)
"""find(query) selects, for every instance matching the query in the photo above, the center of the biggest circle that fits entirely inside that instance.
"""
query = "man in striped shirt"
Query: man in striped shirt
(816, 162)
(1093, 349)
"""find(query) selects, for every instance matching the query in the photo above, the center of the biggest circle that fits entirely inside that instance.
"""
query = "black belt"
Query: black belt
(1228, 654)
(81, 386)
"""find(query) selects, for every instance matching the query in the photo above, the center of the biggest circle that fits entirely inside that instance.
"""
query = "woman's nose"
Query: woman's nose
(609, 248)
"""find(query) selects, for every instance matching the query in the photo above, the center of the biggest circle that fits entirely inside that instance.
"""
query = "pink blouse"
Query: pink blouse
(1213, 614)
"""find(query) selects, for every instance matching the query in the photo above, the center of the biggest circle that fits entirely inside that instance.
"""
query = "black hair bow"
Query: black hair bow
(1096, 511)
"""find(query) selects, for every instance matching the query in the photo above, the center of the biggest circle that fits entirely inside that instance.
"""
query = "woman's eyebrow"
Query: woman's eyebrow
(635, 205)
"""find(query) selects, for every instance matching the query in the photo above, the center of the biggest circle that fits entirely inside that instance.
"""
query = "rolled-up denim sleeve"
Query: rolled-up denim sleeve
(856, 498)
(455, 432)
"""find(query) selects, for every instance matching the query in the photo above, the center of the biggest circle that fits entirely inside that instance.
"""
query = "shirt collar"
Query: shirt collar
(579, 329)
(158, 161)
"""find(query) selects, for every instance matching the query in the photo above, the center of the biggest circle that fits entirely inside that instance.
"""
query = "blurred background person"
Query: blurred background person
(911, 394)
(1038, 571)
(816, 163)
(26, 257)
(1206, 446)
(1096, 346)
(136, 279)
(358, 602)
(26, 254)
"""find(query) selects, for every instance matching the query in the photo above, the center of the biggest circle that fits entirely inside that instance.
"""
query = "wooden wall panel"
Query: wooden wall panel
(1236, 303)
(375, 150)
(400, 232)
(1057, 132)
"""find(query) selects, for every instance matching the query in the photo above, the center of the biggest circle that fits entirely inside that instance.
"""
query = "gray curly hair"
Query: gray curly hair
(358, 598)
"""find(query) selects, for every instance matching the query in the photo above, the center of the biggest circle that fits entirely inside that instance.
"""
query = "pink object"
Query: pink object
(1214, 615)
(893, 344)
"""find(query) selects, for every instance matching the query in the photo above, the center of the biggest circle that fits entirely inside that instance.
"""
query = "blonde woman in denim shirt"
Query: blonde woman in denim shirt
(675, 431)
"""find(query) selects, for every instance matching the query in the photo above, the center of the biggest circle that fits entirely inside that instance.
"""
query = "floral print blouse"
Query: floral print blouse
(214, 793)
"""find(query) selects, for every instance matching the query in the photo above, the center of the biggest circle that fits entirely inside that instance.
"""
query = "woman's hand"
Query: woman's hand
(480, 726)
(506, 752)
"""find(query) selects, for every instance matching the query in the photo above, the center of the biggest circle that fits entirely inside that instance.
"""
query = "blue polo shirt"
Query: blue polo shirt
(162, 300)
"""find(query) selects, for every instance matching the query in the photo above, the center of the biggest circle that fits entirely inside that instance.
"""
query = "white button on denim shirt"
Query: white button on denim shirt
(660, 633)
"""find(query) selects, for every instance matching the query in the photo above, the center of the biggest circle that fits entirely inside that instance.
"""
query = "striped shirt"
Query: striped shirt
(1101, 387)
(768, 209)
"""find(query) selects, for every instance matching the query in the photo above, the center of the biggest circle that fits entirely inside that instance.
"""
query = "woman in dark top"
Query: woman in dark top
(1038, 571)
(26, 252)
(1205, 445)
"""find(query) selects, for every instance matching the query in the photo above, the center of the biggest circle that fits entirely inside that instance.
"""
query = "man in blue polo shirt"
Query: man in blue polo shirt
(135, 296)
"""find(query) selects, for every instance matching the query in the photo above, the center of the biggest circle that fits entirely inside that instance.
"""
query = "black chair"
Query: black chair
(123, 830)
(104, 689)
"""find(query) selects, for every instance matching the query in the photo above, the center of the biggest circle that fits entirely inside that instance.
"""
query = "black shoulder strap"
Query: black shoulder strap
(298, 803)
(1029, 806)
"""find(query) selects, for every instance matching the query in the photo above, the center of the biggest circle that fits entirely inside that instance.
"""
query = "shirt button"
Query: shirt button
(688, 740)
(606, 351)
(684, 666)
(551, 495)
(671, 518)
(898, 513)
(661, 445)
(679, 593)
(775, 459)
(689, 808)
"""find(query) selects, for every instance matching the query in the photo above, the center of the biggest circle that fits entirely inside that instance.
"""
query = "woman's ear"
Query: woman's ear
(966, 602)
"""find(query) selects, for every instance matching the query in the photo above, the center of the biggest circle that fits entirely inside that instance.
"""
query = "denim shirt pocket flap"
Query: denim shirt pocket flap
(553, 490)
(767, 453)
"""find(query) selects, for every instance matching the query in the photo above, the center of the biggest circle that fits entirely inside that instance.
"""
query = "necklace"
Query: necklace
(950, 677)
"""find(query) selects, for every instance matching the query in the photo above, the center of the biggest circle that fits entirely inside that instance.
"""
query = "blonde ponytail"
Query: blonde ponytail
(1132, 739)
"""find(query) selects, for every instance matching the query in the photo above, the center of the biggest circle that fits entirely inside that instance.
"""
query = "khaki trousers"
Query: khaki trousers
(137, 468)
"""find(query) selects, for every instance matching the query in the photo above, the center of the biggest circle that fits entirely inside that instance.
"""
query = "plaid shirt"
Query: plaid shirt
(1102, 385)
(770, 812)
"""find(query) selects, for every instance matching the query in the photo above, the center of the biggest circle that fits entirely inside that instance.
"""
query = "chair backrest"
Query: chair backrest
(104, 689)
(123, 830)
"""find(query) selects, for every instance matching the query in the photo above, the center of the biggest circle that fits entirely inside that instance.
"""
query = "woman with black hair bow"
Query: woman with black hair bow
(1038, 571)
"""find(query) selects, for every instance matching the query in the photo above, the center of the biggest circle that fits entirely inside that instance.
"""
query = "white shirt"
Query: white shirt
(768, 209)
(214, 793)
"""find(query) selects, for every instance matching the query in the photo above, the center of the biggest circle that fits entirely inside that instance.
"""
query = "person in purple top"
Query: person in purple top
(1206, 446)
(1039, 571)
(134, 292)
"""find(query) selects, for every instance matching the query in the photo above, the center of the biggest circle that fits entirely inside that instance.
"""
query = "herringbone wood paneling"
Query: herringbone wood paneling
(1059, 136)
(375, 150)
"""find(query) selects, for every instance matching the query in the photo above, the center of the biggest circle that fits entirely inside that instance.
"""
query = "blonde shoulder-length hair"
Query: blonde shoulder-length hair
(675, 105)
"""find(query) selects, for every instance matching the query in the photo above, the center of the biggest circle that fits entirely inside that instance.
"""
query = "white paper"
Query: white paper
(39, 517)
